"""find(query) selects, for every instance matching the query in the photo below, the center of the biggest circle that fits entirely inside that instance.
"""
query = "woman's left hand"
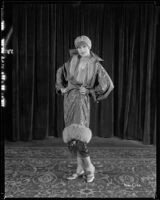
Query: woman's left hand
(83, 90)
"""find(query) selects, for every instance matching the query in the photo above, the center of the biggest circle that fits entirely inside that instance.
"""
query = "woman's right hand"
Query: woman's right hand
(63, 90)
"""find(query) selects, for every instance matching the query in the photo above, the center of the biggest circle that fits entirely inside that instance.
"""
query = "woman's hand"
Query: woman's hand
(83, 90)
(63, 90)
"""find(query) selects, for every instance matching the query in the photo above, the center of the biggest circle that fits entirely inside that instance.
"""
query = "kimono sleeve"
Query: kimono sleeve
(105, 84)
(61, 78)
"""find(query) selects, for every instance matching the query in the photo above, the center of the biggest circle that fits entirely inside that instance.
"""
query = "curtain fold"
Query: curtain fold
(124, 35)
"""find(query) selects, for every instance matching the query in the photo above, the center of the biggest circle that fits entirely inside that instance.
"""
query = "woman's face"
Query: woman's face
(83, 50)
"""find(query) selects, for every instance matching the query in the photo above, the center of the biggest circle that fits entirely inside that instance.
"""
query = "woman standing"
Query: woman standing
(81, 77)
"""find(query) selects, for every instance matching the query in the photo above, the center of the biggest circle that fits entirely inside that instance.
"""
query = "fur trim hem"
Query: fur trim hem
(78, 132)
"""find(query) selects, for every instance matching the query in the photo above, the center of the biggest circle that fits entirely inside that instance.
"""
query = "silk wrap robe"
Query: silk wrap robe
(76, 105)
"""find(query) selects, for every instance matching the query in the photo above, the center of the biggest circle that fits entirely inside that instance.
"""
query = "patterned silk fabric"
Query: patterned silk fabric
(74, 74)
(76, 108)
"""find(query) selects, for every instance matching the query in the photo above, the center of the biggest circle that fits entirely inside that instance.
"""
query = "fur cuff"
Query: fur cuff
(78, 132)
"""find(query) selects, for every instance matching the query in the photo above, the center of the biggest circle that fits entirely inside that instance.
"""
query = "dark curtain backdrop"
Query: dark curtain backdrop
(124, 35)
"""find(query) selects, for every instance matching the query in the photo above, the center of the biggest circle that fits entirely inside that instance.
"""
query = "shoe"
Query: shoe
(90, 176)
(75, 175)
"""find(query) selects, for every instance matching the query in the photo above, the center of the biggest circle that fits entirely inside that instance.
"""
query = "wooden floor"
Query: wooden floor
(95, 141)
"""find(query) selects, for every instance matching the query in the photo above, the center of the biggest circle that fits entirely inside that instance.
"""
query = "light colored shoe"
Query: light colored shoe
(90, 175)
(90, 178)
(75, 175)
